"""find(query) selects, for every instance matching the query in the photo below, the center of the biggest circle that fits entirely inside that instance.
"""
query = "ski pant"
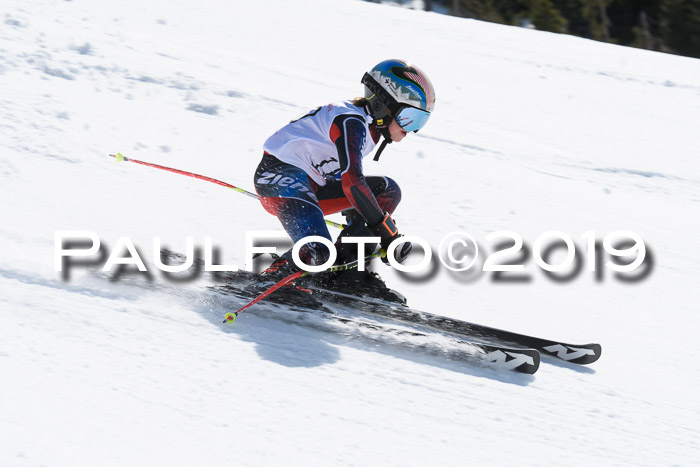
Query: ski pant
(287, 192)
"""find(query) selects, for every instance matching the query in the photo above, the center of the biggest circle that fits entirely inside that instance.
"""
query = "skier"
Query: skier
(313, 165)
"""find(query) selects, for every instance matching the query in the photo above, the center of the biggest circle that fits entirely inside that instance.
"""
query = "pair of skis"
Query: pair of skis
(491, 340)
(495, 347)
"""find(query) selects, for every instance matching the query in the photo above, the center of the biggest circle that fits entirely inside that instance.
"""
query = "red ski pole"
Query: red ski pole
(231, 317)
(121, 158)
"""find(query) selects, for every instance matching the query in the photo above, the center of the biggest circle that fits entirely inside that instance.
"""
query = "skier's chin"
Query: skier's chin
(397, 133)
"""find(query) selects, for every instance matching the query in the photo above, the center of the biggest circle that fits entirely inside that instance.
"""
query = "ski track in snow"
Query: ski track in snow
(532, 132)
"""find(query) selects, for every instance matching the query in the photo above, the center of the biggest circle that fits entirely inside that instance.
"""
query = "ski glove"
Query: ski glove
(387, 231)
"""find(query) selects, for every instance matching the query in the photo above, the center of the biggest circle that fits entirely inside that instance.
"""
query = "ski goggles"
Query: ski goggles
(411, 118)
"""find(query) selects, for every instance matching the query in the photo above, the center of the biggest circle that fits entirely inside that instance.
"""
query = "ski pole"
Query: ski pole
(231, 317)
(120, 158)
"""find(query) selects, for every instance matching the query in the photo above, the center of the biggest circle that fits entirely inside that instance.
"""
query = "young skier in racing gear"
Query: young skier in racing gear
(313, 165)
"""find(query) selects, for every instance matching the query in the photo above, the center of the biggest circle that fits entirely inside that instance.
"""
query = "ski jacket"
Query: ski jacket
(329, 143)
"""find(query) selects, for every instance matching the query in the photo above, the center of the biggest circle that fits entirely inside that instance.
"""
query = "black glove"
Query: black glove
(387, 231)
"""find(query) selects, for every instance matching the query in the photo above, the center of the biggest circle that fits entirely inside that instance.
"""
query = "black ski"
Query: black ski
(582, 354)
(521, 360)
(579, 354)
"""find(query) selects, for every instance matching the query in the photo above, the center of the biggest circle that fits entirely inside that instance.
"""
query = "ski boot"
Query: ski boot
(351, 281)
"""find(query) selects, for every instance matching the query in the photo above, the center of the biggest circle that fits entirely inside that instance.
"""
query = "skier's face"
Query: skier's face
(397, 133)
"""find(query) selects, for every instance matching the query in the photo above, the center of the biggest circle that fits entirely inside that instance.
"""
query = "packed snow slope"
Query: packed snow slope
(532, 132)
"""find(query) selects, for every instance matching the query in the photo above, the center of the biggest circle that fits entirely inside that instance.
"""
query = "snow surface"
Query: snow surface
(532, 132)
